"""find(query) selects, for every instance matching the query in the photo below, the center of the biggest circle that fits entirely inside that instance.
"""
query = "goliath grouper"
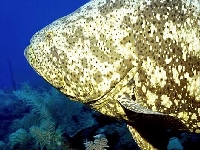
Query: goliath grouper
(135, 60)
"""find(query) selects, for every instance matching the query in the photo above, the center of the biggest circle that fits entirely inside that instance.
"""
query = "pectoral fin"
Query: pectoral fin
(130, 104)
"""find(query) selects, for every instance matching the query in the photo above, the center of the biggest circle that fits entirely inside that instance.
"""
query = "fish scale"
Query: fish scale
(125, 57)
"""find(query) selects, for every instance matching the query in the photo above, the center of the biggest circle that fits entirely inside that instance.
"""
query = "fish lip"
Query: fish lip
(26, 51)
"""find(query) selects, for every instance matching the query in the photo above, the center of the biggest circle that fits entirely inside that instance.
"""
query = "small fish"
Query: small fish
(127, 59)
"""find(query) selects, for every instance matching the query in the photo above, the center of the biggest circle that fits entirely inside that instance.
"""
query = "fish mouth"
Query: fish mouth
(31, 58)
(26, 51)
(29, 55)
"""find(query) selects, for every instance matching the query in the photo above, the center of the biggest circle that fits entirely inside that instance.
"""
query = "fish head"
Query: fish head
(41, 55)
(78, 55)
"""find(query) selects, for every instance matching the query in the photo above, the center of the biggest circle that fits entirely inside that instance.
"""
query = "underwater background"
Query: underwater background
(34, 115)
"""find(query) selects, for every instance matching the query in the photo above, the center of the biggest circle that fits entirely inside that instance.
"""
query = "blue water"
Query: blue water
(19, 20)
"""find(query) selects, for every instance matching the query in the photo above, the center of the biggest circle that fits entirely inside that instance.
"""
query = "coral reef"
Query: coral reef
(100, 143)
(43, 118)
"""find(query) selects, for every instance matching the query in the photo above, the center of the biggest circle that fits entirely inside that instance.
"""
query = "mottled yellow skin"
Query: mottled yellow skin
(109, 51)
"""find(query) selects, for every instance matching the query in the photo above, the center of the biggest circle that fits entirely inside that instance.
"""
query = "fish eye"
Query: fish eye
(49, 35)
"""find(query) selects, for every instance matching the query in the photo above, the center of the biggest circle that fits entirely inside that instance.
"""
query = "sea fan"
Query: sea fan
(20, 137)
(30, 119)
(46, 135)
(34, 99)
(43, 134)
(42, 137)
(100, 143)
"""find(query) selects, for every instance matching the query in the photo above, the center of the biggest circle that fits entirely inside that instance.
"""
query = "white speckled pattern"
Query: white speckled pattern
(123, 48)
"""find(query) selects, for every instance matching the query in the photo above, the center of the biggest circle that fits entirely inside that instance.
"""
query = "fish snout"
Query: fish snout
(29, 54)
(26, 52)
